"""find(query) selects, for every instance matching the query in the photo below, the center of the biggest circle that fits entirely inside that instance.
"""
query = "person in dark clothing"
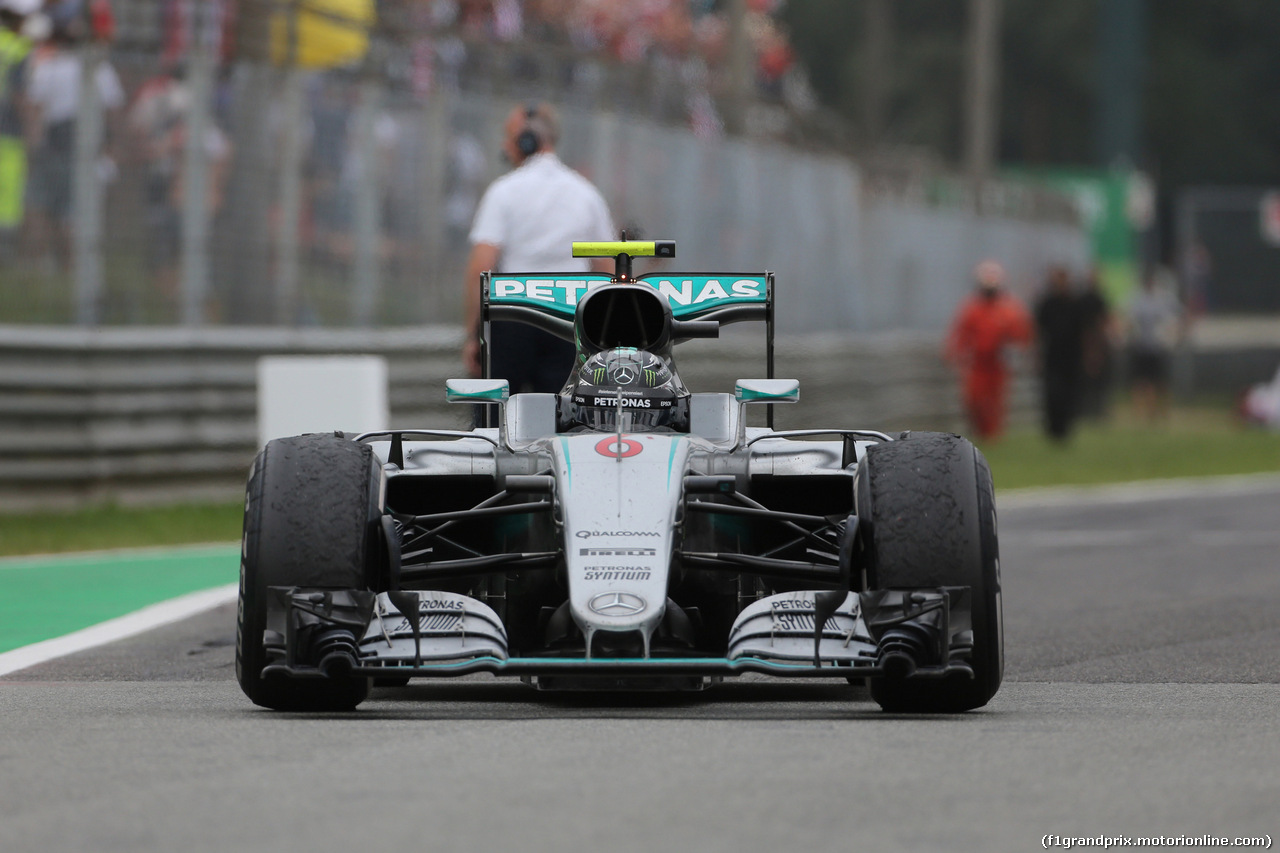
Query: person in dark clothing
(1058, 319)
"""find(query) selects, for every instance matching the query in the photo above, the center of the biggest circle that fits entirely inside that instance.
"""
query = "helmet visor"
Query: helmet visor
(633, 420)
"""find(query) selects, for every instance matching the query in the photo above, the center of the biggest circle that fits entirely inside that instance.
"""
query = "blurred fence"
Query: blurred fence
(1229, 249)
(230, 190)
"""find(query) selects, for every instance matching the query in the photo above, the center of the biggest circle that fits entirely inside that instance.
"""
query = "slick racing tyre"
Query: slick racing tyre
(930, 505)
(310, 520)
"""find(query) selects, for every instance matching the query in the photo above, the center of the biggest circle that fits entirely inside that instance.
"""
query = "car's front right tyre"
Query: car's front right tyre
(311, 513)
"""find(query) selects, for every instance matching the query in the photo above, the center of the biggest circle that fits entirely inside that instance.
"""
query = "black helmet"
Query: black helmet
(638, 384)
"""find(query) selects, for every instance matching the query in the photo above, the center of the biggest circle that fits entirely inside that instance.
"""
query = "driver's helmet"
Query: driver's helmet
(633, 382)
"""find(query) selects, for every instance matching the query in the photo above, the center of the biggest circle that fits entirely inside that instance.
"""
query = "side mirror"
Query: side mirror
(477, 390)
(482, 391)
(767, 391)
(761, 391)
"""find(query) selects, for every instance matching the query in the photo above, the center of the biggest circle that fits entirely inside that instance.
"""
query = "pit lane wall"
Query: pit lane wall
(146, 415)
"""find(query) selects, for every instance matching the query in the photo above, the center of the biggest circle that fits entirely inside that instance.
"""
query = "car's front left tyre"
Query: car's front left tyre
(930, 506)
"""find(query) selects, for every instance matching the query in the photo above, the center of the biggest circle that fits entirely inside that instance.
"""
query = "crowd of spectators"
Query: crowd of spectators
(628, 31)
(664, 59)
(143, 129)
(681, 47)
(40, 100)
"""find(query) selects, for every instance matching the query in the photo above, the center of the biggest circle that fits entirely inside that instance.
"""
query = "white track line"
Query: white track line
(129, 625)
(1139, 491)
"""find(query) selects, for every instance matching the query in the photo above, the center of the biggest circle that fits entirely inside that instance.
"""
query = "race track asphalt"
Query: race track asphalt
(1142, 698)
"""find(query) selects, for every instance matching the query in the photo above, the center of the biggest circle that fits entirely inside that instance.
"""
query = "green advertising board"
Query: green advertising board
(1114, 204)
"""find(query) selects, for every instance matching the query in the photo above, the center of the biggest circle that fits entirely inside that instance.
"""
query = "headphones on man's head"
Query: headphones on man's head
(528, 141)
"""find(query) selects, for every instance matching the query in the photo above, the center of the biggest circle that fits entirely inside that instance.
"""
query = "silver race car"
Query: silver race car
(624, 534)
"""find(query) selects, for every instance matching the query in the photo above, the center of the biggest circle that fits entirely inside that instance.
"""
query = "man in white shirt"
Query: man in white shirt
(526, 222)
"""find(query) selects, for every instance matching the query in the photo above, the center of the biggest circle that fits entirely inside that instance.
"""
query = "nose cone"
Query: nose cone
(619, 517)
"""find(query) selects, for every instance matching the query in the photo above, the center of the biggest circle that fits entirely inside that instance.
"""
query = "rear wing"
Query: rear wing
(549, 301)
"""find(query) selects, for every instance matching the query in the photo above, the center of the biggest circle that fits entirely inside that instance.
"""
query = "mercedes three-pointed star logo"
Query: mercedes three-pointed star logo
(617, 604)
(623, 374)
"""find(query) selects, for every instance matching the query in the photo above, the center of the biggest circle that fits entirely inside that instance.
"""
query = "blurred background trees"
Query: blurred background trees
(1207, 74)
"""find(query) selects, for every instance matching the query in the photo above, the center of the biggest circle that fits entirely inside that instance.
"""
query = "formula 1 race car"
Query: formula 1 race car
(624, 534)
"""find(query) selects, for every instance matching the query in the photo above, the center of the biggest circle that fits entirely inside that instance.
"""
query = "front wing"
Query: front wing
(316, 633)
